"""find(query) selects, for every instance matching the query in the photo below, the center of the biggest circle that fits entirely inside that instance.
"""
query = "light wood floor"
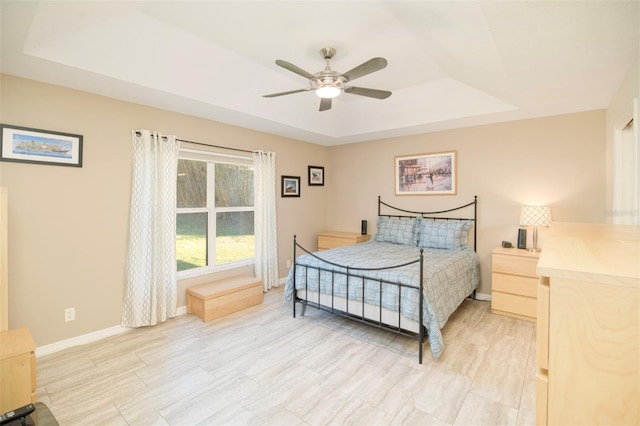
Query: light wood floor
(261, 366)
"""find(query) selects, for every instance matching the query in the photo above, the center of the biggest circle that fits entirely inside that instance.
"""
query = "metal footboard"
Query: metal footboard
(350, 273)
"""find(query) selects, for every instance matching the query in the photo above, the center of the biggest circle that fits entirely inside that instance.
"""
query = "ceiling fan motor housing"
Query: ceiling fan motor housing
(328, 83)
(327, 52)
(328, 77)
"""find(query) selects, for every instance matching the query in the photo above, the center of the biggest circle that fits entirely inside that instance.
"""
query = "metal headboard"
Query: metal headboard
(429, 214)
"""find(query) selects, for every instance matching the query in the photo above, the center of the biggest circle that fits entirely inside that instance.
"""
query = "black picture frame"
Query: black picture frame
(316, 176)
(37, 146)
(290, 186)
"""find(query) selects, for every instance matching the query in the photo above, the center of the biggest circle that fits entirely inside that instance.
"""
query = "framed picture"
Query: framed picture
(290, 186)
(316, 176)
(25, 145)
(426, 174)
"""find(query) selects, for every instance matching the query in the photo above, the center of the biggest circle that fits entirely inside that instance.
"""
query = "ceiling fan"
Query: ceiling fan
(329, 83)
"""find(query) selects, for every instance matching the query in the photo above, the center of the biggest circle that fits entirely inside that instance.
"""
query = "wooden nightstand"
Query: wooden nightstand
(329, 240)
(514, 282)
(17, 369)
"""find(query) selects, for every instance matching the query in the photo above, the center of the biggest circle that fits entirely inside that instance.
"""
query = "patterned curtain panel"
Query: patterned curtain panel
(264, 172)
(151, 277)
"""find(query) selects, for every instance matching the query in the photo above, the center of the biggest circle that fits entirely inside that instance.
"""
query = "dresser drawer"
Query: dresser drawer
(329, 240)
(515, 284)
(542, 395)
(521, 306)
(542, 328)
(515, 265)
(326, 243)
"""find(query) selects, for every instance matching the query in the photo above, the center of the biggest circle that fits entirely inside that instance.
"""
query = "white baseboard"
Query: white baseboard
(483, 297)
(90, 337)
(79, 340)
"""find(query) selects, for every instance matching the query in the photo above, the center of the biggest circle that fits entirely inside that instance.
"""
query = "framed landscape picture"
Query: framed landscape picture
(25, 145)
(290, 186)
(426, 174)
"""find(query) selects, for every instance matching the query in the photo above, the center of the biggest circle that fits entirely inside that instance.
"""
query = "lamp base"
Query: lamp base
(535, 240)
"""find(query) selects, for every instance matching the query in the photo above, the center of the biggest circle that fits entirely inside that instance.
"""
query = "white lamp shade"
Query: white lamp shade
(535, 216)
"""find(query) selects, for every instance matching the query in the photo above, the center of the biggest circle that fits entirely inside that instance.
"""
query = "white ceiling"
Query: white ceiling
(451, 63)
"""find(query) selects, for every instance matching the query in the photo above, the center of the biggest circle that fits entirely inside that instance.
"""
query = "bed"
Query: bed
(408, 279)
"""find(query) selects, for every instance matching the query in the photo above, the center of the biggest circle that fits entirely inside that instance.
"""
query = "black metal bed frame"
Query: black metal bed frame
(359, 273)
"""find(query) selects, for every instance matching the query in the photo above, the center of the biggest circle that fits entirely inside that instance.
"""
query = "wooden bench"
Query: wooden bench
(219, 298)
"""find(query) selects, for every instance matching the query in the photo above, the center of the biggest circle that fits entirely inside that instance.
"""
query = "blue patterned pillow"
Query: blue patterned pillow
(397, 230)
(443, 234)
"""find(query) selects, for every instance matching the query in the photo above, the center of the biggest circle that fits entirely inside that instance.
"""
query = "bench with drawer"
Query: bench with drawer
(223, 297)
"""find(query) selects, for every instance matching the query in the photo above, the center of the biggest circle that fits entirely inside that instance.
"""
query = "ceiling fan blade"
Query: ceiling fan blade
(372, 65)
(273, 95)
(325, 104)
(371, 93)
(289, 66)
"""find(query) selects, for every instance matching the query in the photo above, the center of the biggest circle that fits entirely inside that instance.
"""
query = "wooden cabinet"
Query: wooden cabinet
(513, 282)
(587, 341)
(329, 240)
(17, 369)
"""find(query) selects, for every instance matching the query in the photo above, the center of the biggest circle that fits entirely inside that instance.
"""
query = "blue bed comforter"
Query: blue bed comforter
(449, 277)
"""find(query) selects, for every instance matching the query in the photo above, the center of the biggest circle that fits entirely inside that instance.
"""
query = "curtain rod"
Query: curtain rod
(217, 146)
(206, 144)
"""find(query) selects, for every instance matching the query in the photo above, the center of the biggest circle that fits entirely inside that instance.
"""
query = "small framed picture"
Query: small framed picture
(25, 145)
(290, 186)
(316, 176)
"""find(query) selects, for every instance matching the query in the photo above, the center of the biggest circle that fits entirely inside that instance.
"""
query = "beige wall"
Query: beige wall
(557, 161)
(68, 226)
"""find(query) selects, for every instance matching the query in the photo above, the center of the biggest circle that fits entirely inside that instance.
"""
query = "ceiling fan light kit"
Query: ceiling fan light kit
(327, 91)
(328, 83)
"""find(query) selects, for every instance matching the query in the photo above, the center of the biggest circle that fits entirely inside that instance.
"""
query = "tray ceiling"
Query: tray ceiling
(451, 64)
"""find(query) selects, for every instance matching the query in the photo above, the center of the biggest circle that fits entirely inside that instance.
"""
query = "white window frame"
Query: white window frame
(211, 157)
(626, 171)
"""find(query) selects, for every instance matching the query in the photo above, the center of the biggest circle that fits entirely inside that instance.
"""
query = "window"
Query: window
(626, 172)
(214, 224)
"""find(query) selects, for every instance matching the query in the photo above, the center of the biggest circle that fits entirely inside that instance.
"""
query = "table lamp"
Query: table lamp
(535, 216)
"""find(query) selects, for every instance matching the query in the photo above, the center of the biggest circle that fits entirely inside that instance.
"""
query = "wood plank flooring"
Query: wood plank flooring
(261, 366)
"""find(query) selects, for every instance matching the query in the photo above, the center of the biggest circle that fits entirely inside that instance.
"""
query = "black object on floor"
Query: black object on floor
(37, 414)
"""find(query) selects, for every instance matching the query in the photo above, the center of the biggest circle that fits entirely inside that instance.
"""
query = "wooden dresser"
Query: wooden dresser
(514, 282)
(17, 369)
(329, 240)
(588, 344)
(4, 275)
